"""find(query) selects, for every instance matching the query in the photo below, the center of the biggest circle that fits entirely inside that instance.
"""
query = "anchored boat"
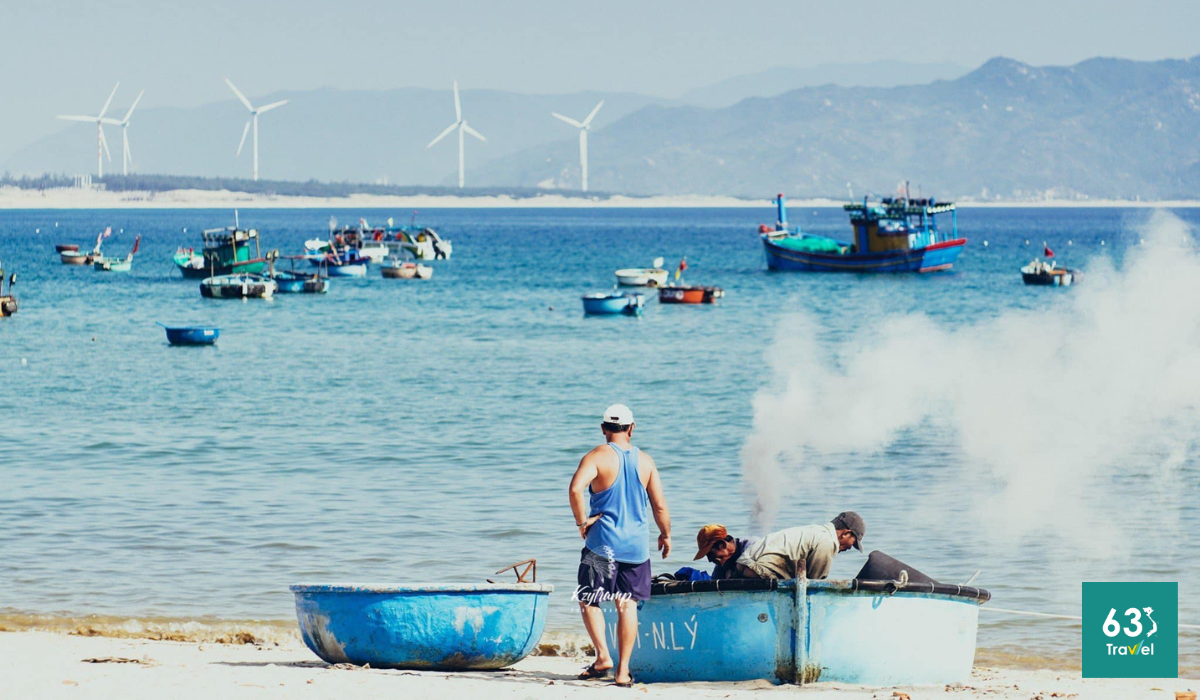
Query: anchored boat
(446, 628)
(895, 235)
(8, 302)
(191, 335)
(654, 276)
(613, 303)
(237, 287)
(406, 271)
(71, 255)
(227, 251)
(869, 632)
(1048, 274)
(125, 264)
(689, 295)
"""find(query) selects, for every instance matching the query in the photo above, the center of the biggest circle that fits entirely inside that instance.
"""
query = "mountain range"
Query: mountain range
(1101, 128)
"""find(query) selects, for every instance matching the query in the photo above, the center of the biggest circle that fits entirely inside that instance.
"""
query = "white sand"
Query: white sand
(49, 665)
(69, 198)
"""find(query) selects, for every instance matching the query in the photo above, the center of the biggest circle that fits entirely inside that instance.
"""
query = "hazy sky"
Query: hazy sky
(63, 57)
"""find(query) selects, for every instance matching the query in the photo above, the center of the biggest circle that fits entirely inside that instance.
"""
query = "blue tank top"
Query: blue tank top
(623, 531)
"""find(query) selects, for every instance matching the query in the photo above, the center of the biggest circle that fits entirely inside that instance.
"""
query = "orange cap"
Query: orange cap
(707, 537)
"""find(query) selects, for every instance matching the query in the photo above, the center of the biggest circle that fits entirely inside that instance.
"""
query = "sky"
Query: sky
(64, 56)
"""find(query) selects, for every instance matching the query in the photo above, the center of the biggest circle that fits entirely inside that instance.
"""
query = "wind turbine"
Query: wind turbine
(98, 120)
(461, 125)
(583, 127)
(253, 120)
(126, 154)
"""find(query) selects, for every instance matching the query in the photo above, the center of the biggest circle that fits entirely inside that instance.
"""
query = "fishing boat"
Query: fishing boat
(432, 627)
(1048, 274)
(406, 271)
(895, 235)
(422, 244)
(344, 263)
(287, 282)
(863, 631)
(191, 335)
(65, 248)
(241, 286)
(654, 276)
(77, 257)
(688, 294)
(227, 251)
(8, 302)
(125, 264)
(613, 303)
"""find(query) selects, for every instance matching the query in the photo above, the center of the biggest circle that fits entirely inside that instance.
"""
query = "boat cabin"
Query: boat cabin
(899, 224)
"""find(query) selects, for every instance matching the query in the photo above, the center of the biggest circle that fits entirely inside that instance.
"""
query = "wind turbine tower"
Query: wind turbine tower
(461, 125)
(101, 142)
(583, 126)
(126, 154)
(254, 112)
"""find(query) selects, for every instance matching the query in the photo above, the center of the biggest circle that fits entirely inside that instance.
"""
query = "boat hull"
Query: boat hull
(112, 265)
(1062, 279)
(66, 248)
(649, 277)
(192, 335)
(933, 258)
(407, 272)
(8, 305)
(348, 270)
(289, 283)
(188, 267)
(74, 257)
(864, 632)
(689, 295)
(446, 628)
(237, 287)
(613, 305)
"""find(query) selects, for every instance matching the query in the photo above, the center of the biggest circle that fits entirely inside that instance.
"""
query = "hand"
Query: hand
(587, 524)
(664, 544)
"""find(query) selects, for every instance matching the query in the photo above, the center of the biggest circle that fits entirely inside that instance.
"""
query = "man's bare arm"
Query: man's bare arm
(581, 483)
(658, 504)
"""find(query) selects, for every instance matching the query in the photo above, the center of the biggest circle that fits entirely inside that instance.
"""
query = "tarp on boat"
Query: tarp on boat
(811, 244)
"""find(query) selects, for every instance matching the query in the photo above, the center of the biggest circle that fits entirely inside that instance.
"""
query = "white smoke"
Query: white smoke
(1046, 406)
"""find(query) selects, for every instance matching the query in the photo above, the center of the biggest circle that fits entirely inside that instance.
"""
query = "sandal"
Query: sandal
(626, 684)
(591, 673)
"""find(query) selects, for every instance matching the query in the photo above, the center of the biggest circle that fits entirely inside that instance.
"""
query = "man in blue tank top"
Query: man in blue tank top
(615, 491)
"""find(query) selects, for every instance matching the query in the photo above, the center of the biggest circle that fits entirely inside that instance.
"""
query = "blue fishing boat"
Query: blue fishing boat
(447, 627)
(894, 235)
(858, 631)
(192, 335)
(346, 263)
(613, 303)
(288, 282)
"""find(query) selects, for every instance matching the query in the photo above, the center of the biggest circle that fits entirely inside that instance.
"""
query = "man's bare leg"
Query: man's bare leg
(593, 621)
(627, 632)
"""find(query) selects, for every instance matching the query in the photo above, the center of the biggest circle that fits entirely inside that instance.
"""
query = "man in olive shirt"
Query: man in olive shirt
(802, 552)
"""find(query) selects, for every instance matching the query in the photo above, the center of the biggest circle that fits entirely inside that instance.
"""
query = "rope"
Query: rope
(989, 608)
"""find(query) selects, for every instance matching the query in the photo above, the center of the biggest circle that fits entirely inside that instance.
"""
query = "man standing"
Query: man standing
(798, 552)
(614, 487)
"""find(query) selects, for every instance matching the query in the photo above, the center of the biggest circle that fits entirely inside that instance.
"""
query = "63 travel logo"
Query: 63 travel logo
(1130, 630)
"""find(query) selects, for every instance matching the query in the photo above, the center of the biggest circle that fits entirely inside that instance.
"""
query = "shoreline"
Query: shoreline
(45, 664)
(15, 198)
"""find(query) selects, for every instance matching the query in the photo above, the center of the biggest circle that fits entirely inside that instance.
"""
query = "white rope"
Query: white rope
(989, 608)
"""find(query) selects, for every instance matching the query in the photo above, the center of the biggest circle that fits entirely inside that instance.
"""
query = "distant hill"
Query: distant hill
(776, 81)
(327, 134)
(1101, 128)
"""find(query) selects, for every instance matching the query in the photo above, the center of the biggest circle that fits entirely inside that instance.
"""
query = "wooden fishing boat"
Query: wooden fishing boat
(227, 251)
(406, 271)
(896, 235)
(8, 302)
(65, 248)
(191, 335)
(445, 628)
(125, 264)
(870, 632)
(689, 295)
(75, 257)
(237, 287)
(1048, 274)
(613, 303)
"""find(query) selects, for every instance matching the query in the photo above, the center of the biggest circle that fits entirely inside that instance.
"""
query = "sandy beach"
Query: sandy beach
(50, 665)
(70, 198)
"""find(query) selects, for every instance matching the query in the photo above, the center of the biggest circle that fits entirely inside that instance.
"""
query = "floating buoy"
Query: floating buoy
(985, 244)
(1069, 243)
(1026, 241)
(24, 362)
(1101, 242)
(37, 230)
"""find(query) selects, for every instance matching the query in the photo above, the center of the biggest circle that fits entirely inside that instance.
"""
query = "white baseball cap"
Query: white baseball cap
(618, 413)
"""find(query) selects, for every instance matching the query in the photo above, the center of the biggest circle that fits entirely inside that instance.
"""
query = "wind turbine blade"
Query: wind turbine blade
(243, 141)
(128, 151)
(457, 104)
(133, 106)
(239, 94)
(272, 106)
(568, 120)
(104, 142)
(110, 98)
(443, 135)
(110, 120)
(76, 119)
(593, 114)
(472, 132)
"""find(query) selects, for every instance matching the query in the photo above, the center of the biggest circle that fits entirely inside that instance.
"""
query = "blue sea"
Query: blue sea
(425, 431)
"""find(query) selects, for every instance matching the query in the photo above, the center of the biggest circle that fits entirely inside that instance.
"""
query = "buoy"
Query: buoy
(24, 362)
(1101, 242)
(985, 244)
(1026, 241)
(37, 230)
(1069, 243)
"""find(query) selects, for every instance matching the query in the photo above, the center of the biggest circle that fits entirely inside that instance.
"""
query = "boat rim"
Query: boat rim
(421, 588)
(949, 590)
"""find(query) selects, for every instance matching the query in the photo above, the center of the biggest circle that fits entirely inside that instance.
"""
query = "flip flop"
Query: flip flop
(627, 684)
(592, 673)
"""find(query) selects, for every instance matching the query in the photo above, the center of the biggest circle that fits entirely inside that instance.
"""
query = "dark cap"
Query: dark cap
(852, 522)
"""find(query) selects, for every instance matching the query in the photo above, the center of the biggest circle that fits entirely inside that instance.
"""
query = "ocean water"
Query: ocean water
(407, 431)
